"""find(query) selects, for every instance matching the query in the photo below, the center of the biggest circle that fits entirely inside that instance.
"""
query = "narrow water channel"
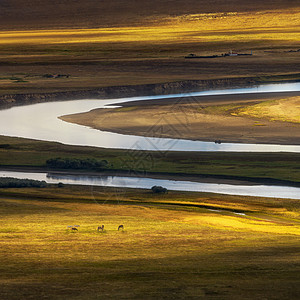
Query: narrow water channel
(175, 185)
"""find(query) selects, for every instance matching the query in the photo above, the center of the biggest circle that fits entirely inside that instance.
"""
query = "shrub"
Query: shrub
(9, 182)
(74, 163)
(5, 146)
(60, 185)
(159, 189)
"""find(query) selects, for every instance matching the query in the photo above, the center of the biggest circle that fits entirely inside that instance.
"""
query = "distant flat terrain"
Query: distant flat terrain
(35, 14)
(104, 43)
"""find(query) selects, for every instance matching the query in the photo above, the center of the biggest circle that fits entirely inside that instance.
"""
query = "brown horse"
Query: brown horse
(100, 228)
(73, 226)
(121, 227)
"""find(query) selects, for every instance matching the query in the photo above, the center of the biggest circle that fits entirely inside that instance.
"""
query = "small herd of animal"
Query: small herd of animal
(99, 228)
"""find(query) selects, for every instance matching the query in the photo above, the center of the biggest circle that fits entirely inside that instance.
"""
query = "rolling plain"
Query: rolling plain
(179, 245)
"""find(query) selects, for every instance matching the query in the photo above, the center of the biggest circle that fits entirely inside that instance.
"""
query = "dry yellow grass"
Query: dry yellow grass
(285, 110)
(150, 52)
(276, 26)
(197, 252)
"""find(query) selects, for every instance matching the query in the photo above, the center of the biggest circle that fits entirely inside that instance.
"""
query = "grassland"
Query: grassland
(208, 28)
(166, 251)
(284, 110)
(260, 167)
(15, 14)
(150, 52)
(173, 246)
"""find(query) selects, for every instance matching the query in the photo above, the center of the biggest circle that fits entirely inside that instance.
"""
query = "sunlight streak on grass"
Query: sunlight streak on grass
(283, 26)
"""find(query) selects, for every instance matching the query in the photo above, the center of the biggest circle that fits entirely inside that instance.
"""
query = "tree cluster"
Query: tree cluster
(74, 163)
(9, 182)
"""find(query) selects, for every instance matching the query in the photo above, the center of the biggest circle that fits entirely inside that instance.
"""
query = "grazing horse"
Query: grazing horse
(100, 228)
(121, 227)
(73, 227)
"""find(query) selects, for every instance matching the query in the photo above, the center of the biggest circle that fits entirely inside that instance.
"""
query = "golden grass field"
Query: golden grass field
(150, 52)
(284, 110)
(179, 245)
(267, 26)
(16, 14)
(165, 251)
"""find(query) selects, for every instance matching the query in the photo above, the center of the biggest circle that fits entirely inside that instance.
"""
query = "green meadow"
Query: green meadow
(25, 154)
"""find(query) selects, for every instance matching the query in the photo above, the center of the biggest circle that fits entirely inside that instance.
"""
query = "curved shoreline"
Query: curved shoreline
(179, 118)
(181, 184)
(122, 91)
(201, 178)
(55, 109)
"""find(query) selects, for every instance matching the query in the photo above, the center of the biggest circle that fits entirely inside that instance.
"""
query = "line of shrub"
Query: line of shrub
(9, 182)
(74, 163)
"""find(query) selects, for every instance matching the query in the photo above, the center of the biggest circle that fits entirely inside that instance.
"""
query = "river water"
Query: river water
(40, 121)
(175, 185)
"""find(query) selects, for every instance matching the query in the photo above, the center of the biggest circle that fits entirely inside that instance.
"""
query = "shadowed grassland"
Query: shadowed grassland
(173, 246)
(213, 28)
(150, 51)
(166, 251)
(24, 153)
(16, 14)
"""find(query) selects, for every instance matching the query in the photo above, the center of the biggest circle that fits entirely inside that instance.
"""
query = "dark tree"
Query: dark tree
(159, 189)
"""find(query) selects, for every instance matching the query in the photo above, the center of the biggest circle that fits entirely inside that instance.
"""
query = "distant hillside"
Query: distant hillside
(20, 14)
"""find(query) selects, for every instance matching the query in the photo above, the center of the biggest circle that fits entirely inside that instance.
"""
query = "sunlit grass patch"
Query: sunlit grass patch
(124, 109)
(246, 224)
(222, 109)
(199, 247)
(272, 25)
(284, 110)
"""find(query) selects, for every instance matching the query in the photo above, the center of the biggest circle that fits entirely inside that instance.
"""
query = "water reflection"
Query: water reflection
(147, 183)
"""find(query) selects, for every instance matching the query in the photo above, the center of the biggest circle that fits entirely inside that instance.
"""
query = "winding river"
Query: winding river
(40, 121)
(174, 185)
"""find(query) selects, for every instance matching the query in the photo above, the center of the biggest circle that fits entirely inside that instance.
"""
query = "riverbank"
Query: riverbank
(201, 178)
(267, 168)
(126, 91)
(221, 118)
